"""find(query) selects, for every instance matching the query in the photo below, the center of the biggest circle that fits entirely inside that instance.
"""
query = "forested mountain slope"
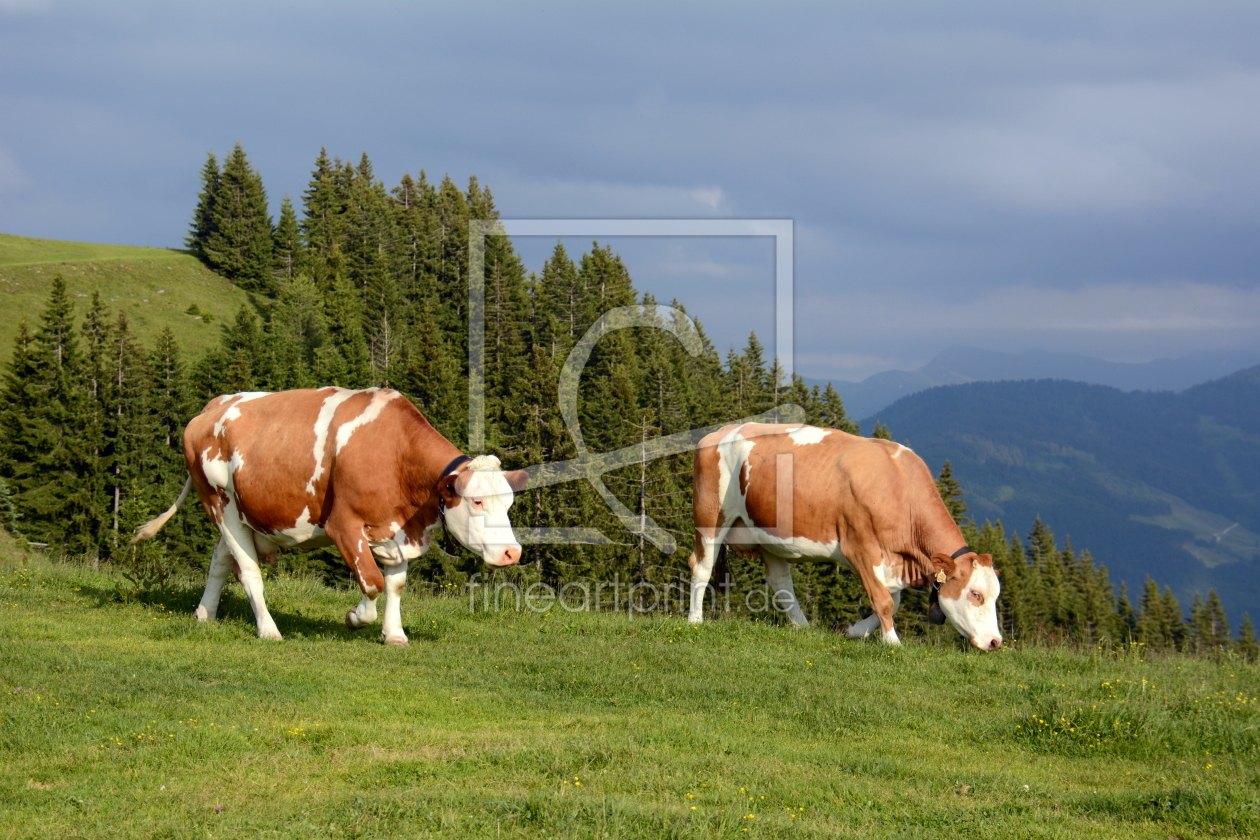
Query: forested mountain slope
(1158, 484)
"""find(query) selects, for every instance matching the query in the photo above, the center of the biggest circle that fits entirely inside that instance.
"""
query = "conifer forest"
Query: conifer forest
(366, 285)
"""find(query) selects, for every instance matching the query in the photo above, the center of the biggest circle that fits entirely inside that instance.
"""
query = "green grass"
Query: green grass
(155, 286)
(120, 716)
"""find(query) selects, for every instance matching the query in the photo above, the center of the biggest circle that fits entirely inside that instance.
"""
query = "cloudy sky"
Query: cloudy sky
(1058, 176)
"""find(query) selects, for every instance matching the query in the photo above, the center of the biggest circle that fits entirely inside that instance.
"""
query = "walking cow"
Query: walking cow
(799, 492)
(361, 470)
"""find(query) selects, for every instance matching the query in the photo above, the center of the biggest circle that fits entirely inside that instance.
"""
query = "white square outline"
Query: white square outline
(478, 229)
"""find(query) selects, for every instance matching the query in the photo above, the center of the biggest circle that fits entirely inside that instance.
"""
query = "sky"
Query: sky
(1073, 177)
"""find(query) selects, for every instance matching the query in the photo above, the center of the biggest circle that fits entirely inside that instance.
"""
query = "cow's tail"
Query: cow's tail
(151, 527)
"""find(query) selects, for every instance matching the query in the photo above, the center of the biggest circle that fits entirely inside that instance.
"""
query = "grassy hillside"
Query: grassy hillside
(155, 286)
(122, 717)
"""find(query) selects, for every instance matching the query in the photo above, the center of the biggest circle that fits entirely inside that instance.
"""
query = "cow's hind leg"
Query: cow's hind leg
(702, 560)
(242, 545)
(782, 593)
(220, 565)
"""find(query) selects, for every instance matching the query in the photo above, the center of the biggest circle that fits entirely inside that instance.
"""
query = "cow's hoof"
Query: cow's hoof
(202, 614)
(396, 641)
(270, 635)
(352, 621)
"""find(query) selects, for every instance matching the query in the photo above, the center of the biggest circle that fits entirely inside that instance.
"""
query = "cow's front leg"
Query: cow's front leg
(391, 626)
(220, 565)
(864, 628)
(363, 614)
(883, 602)
(352, 541)
(782, 593)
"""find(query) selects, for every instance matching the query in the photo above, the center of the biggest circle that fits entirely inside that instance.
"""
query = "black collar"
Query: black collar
(454, 465)
(441, 505)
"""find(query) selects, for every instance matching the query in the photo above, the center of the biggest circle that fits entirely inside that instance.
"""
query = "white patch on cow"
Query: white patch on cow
(901, 449)
(322, 424)
(889, 576)
(379, 400)
(397, 549)
(234, 410)
(808, 434)
(236, 463)
(302, 532)
(733, 453)
(217, 471)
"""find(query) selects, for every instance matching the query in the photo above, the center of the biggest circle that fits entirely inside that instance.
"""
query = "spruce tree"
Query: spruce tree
(290, 252)
(202, 226)
(297, 329)
(241, 244)
(951, 494)
(1245, 645)
(53, 470)
(131, 429)
(323, 221)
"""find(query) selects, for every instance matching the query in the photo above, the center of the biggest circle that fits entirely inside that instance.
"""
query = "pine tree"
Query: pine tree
(1126, 615)
(52, 470)
(831, 413)
(241, 246)
(323, 221)
(1152, 627)
(202, 226)
(881, 431)
(1208, 630)
(297, 329)
(1245, 645)
(344, 359)
(131, 429)
(951, 494)
(290, 252)
(430, 377)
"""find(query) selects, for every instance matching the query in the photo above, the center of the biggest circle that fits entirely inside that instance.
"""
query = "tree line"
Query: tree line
(368, 286)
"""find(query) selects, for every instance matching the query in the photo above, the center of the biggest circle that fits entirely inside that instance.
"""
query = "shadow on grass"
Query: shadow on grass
(181, 599)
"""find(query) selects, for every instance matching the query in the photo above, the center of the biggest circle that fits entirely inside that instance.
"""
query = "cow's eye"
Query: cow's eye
(977, 598)
(478, 503)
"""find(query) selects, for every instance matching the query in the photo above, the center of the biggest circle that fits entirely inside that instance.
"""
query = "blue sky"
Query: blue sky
(1059, 176)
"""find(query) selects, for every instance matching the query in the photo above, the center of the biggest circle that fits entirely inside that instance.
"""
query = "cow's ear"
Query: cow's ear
(517, 479)
(942, 562)
(985, 560)
(447, 490)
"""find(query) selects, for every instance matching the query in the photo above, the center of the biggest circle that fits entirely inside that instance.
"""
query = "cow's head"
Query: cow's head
(476, 497)
(968, 596)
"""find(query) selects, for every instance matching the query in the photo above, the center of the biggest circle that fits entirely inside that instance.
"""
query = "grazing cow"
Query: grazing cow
(799, 492)
(361, 470)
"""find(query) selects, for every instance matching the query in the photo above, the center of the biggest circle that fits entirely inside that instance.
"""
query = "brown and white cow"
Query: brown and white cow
(799, 492)
(361, 470)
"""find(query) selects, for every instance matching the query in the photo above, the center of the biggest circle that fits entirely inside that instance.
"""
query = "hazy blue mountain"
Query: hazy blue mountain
(1155, 483)
(959, 364)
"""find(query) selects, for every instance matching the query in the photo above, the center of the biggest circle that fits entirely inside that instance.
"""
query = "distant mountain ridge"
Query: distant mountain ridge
(1158, 483)
(960, 364)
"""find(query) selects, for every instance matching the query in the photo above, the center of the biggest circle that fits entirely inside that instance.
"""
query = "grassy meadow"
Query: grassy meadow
(120, 716)
(155, 286)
